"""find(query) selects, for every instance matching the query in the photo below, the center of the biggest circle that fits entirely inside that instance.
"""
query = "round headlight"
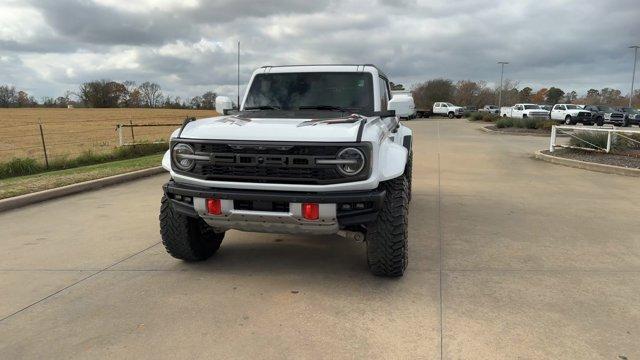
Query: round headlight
(354, 161)
(181, 157)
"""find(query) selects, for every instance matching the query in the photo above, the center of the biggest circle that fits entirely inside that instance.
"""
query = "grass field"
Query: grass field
(69, 132)
(49, 180)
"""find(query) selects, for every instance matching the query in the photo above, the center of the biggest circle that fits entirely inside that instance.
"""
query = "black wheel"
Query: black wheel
(450, 115)
(600, 121)
(186, 238)
(524, 116)
(387, 243)
(567, 120)
(408, 174)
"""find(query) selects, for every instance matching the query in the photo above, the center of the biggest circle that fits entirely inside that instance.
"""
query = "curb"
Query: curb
(489, 131)
(585, 165)
(27, 199)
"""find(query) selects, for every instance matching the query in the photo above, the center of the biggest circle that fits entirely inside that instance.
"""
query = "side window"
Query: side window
(519, 107)
(384, 95)
(561, 107)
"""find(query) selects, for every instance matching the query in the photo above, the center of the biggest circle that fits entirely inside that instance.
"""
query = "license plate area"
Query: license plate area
(256, 205)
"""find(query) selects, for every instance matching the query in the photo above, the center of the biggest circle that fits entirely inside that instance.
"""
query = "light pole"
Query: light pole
(502, 64)
(633, 76)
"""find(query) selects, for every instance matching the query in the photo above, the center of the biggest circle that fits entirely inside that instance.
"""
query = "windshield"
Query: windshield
(448, 104)
(572, 107)
(528, 107)
(291, 91)
(605, 108)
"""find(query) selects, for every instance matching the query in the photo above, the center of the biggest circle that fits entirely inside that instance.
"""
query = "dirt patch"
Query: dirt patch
(632, 161)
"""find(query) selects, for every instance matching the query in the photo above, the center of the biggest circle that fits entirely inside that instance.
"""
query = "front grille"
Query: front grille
(619, 116)
(584, 114)
(284, 163)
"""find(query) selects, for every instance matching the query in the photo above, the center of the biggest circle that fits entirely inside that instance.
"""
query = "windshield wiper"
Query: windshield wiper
(262, 107)
(326, 107)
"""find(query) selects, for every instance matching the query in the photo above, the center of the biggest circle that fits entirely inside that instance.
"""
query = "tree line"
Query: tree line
(128, 94)
(477, 93)
(109, 94)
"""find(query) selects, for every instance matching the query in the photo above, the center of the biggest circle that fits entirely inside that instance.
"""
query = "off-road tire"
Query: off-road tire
(387, 238)
(408, 174)
(187, 238)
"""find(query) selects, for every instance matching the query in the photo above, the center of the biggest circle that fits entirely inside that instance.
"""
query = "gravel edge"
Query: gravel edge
(585, 165)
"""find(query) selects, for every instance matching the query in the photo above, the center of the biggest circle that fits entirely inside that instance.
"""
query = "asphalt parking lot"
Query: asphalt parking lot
(509, 258)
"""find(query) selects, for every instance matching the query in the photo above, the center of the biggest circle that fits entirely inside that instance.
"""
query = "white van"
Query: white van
(404, 106)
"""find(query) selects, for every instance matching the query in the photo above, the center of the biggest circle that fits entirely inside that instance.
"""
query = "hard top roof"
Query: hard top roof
(359, 67)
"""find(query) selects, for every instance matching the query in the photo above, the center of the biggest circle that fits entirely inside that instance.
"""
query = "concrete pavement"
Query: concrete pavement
(509, 258)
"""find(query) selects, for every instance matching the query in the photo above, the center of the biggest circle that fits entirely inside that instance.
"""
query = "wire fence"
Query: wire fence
(48, 135)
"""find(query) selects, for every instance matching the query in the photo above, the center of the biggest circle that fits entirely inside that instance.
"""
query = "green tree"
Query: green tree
(554, 95)
(426, 93)
(525, 94)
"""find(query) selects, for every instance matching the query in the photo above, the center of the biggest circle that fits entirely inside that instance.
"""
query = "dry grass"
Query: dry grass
(69, 132)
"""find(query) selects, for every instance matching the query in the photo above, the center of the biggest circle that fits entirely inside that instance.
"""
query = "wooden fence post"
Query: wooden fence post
(44, 146)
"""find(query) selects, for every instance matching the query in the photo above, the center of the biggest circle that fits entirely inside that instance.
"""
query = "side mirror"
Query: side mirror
(385, 113)
(223, 105)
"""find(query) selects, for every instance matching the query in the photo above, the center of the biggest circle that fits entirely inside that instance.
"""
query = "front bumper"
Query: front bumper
(337, 209)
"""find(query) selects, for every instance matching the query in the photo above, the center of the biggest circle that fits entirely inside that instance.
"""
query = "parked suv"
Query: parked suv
(571, 114)
(606, 114)
(313, 150)
(631, 115)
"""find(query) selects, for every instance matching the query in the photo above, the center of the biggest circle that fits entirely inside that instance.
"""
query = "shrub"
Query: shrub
(504, 123)
(476, 116)
(593, 140)
(19, 166)
(28, 166)
(488, 117)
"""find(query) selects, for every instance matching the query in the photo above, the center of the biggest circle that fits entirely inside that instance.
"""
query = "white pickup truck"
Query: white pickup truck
(313, 150)
(522, 111)
(571, 114)
(448, 109)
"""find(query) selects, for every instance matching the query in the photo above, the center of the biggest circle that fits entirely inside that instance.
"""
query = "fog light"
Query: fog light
(214, 207)
(310, 211)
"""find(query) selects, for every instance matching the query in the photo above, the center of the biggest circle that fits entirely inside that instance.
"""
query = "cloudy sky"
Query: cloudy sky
(189, 46)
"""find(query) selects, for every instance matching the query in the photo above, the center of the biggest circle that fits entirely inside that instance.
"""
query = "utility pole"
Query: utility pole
(502, 64)
(238, 75)
(633, 76)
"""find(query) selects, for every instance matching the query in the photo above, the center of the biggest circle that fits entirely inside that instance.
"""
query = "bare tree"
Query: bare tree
(150, 94)
(8, 96)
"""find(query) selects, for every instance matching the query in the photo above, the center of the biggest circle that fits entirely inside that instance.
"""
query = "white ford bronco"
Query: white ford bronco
(312, 150)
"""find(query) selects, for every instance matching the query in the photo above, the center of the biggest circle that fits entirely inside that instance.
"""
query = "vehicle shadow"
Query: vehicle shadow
(252, 253)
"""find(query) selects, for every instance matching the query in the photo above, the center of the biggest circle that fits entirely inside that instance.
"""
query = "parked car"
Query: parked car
(313, 150)
(632, 115)
(403, 105)
(524, 111)
(448, 109)
(491, 109)
(470, 108)
(606, 114)
(571, 114)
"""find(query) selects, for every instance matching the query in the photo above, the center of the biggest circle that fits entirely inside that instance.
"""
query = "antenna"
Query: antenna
(238, 75)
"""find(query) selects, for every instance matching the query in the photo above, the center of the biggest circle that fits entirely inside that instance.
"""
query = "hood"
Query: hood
(339, 129)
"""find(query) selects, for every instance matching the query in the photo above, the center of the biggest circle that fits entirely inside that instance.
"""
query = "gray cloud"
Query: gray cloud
(574, 45)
